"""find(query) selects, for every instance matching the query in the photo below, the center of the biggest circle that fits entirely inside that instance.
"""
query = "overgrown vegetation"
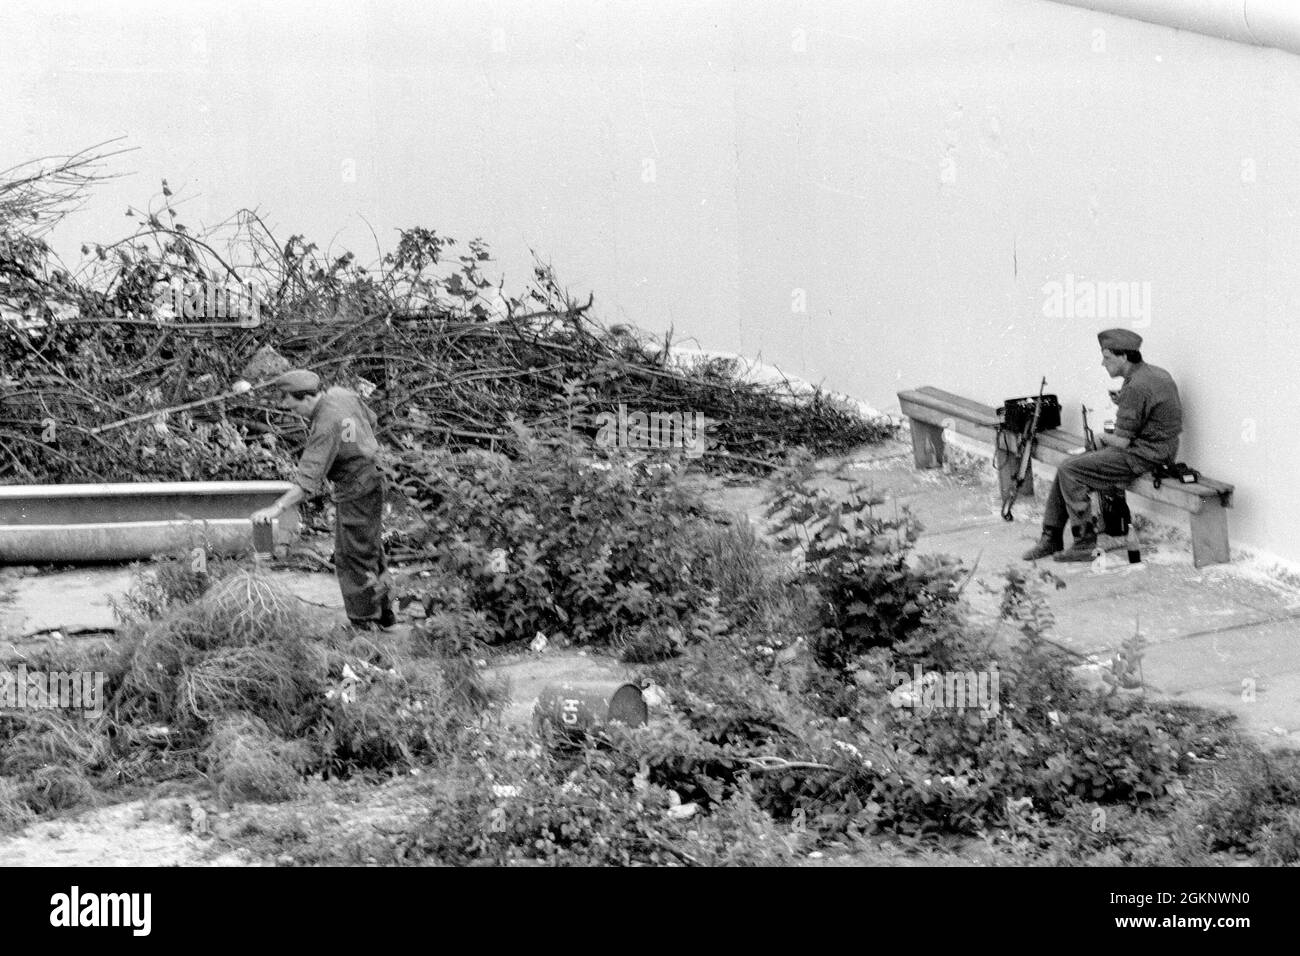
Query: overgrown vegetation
(830, 739)
(782, 728)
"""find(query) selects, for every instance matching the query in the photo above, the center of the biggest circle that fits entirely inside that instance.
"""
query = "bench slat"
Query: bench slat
(977, 408)
(934, 409)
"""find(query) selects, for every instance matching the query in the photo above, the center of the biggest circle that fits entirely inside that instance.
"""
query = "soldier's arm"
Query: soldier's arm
(286, 501)
(318, 456)
(1130, 418)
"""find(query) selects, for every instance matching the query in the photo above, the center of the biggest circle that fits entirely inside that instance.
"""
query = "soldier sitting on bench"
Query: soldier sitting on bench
(1147, 426)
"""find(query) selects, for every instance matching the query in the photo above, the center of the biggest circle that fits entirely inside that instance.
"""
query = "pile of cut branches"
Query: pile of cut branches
(118, 371)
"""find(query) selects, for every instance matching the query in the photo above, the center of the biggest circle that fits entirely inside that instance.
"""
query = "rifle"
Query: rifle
(1028, 440)
(1110, 506)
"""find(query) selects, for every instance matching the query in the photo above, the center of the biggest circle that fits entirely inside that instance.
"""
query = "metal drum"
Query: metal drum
(573, 711)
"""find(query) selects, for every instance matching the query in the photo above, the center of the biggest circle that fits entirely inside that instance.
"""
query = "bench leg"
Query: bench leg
(1210, 534)
(927, 444)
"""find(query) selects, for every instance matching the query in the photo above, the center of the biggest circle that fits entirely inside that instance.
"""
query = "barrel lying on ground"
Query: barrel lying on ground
(570, 711)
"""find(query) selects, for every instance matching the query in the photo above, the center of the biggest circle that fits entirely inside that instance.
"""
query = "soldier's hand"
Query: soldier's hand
(264, 515)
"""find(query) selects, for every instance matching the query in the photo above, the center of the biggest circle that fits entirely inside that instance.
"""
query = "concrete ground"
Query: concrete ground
(1226, 636)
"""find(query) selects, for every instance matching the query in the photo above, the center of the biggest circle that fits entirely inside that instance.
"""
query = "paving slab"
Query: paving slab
(945, 507)
(1269, 598)
(318, 588)
(1100, 626)
(1127, 596)
(1254, 672)
(67, 598)
(1083, 585)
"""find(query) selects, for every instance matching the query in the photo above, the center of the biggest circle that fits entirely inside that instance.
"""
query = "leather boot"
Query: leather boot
(1085, 543)
(1052, 541)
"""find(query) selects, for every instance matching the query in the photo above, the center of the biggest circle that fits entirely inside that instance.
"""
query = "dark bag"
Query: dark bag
(1015, 414)
(1176, 471)
(1115, 516)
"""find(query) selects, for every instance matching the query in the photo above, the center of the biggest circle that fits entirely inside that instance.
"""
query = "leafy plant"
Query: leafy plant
(576, 547)
(1125, 669)
(872, 591)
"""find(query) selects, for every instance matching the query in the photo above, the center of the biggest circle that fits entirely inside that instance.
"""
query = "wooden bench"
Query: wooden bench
(931, 410)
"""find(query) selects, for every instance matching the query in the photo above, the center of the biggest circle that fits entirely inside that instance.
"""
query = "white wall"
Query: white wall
(795, 146)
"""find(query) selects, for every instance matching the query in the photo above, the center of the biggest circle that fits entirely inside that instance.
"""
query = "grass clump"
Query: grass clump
(242, 647)
(179, 577)
(246, 761)
(14, 810)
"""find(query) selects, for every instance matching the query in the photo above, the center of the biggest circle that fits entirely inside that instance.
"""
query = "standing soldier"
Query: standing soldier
(341, 447)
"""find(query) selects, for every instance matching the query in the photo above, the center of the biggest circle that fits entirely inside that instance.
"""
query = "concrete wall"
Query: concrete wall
(872, 194)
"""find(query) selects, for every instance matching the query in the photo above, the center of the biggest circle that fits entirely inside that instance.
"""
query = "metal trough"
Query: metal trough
(126, 522)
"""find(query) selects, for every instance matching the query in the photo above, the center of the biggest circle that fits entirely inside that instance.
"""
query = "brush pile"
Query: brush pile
(121, 369)
(240, 688)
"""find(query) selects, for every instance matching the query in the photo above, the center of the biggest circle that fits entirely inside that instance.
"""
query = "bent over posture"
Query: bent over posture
(341, 447)
(1147, 426)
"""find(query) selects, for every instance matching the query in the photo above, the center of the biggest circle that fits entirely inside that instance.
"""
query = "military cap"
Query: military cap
(1119, 340)
(298, 380)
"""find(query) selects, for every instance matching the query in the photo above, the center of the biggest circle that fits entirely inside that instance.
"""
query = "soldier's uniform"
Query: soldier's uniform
(342, 448)
(1150, 415)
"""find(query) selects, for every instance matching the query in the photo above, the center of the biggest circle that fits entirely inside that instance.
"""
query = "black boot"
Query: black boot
(1052, 541)
(1085, 543)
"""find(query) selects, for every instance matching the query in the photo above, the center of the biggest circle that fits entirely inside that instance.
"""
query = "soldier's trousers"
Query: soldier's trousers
(1106, 469)
(359, 559)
